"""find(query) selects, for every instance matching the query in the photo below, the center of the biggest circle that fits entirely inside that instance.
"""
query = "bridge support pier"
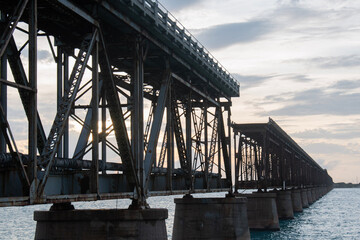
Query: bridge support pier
(210, 218)
(304, 198)
(101, 224)
(261, 211)
(296, 200)
(309, 196)
(284, 204)
(314, 194)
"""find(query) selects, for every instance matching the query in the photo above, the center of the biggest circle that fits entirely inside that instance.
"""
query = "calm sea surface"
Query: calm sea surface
(335, 216)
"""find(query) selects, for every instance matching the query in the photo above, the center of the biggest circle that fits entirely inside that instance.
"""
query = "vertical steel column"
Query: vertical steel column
(32, 137)
(95, 119)
(219, 151)
(170, 140)
(59, 90)
(3, 91)
(66, 85)
(189, 141)
(103, 130)
(229, 144)
(138, 118)
(206, 169)
(241, 159)
(237, 158)
(283, 167)
(246, 160)
(265, 157)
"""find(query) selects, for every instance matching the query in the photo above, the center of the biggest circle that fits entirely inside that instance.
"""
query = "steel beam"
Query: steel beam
(94, 180)
(117, 117)
(3, 91)
(59, 91)
(189, 141)
(58, 127)
(10, 28)
(169, 142)
(157, 122)
(32, 136)
(138, 117)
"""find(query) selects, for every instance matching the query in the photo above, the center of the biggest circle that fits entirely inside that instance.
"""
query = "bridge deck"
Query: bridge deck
(122, 21)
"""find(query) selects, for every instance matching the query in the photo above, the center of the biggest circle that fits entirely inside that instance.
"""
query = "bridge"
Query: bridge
(153, 105)
(267, 157)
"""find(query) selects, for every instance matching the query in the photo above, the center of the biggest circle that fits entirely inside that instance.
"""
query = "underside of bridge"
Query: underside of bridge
(153, 104)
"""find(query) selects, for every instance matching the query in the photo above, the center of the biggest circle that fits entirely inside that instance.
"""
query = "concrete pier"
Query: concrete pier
(296, 200)
(101, 224)
(309, 196)
(304, 198)
(284, 205)
(261, 211)
(313, 194)
(210, 218)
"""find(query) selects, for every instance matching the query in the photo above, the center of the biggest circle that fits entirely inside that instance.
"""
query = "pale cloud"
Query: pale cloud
(44, 56)
(352, 132)
(329, 148)
(174, 6)
(220, 36)
(318, 102)
(329, 62)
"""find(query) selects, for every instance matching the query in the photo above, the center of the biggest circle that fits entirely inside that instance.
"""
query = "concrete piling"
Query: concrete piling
(261, 211)
(313, 194)
(101, 224)
(296, 200)
(284, 204)
(210, 218)
(304, 198)
(309, 196)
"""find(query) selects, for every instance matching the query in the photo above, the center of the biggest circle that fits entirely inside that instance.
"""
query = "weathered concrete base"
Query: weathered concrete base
(314, 195)
(261, 211)
(304, 198)
(296, 200)
(284, 205)
(309, 196)
(210, 218)
(101, 224)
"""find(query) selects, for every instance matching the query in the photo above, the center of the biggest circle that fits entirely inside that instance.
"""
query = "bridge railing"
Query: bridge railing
(163, 18)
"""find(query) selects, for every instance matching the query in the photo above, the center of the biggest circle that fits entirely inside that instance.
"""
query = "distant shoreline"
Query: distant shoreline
(346, 185)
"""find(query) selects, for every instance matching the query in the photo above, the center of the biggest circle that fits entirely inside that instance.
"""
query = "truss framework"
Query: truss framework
(183, 147)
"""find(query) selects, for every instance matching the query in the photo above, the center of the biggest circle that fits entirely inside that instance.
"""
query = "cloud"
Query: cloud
(339, 133)
(347, 84)
(328, 165)
(330, 62)
(248, 81)
(44, 56)
(174, 6)
(328, 148)
(317, 102)
(220, 36)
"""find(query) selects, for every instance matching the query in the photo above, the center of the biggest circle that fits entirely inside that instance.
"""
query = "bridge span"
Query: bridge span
(154, 111)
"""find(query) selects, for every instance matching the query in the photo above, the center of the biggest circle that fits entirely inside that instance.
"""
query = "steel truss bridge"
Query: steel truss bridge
(267, 157)
(128, 62)
(153, 105)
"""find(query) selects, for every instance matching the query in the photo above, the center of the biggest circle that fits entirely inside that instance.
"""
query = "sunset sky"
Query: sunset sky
(297, 62)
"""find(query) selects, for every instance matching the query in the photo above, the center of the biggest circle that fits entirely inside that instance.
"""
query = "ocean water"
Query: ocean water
(334, 216)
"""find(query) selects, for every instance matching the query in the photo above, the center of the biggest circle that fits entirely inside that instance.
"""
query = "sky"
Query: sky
(297, 62)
